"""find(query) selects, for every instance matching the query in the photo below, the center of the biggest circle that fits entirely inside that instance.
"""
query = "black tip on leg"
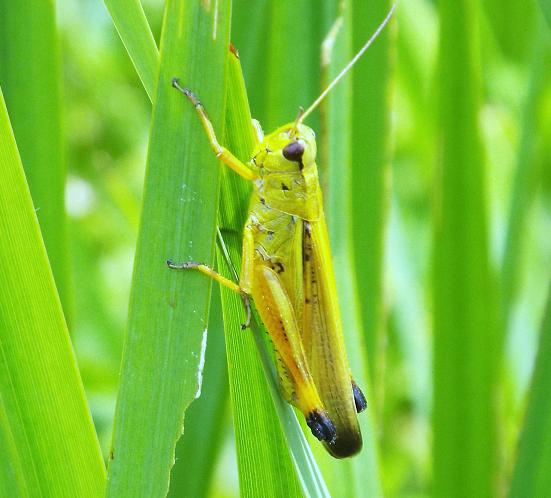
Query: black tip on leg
(169, 263)
(321, 426)
(359, 398)
(176, 82)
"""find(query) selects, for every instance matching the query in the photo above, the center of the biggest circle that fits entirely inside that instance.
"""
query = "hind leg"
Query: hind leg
(276, 311)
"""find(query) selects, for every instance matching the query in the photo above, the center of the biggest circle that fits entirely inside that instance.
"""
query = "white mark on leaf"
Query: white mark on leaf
(201, 365)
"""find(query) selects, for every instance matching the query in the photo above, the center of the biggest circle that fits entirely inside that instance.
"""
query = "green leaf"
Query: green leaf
(205, 418)
(48, 439)
(292, 75)
(465, 308)
(192, 471)
(29, 77)
(253, 42)
(527, 176)
(371, 170)
(161, 371)
(531, 476)
(129, 19)
(546, 7)
(513, 25)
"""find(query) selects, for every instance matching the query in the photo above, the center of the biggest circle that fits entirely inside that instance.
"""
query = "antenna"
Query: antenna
(347, 68)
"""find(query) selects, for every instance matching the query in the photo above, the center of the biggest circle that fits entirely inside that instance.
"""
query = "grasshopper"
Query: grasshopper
(287, 271)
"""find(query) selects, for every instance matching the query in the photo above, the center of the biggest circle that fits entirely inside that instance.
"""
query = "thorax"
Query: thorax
(293, 193)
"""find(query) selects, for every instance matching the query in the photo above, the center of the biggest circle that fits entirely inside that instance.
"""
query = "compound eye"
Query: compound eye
(293, 151)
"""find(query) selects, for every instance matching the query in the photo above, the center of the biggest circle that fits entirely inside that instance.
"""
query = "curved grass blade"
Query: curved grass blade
(161, 370)
(30, 79)
(134, 30)
(531, 476)
(465, 300)
(51, 446)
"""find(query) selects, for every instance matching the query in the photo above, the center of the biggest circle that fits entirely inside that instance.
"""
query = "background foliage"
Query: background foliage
(436, 162)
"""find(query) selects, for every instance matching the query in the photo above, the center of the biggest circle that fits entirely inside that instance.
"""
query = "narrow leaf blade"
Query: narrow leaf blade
(465, 307)
(162, 363)
(30, 79)
(129, 19)
(52, 448)
(531, 476)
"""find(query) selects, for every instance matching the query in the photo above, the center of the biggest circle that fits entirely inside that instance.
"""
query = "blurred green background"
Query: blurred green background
(428, 150)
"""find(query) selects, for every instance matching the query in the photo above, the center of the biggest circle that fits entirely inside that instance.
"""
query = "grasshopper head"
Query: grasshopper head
(288, 176)
(289, 149)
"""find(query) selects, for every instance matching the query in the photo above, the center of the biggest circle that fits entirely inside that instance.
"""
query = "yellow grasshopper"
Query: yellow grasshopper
(288, 272)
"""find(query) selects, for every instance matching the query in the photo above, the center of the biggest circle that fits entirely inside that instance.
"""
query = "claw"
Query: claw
(182, 266)
(186, 91)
